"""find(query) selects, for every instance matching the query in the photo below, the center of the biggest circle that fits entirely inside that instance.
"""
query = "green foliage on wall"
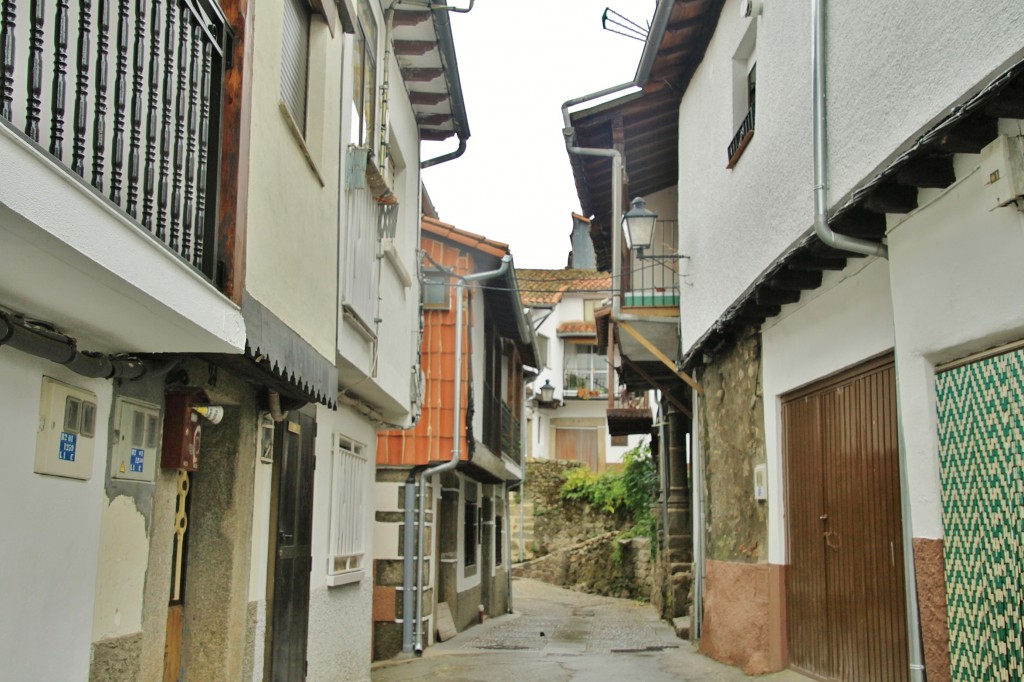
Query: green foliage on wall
(627, 493)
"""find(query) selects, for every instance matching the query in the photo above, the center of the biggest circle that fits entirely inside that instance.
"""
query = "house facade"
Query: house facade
(193, 321)
(572, 424)
(442, 486)
(849, 233)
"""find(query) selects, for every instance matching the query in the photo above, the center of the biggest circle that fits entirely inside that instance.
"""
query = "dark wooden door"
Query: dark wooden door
(291, 558)
(845, 590)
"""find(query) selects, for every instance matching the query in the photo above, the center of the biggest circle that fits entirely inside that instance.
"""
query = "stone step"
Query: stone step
(682, 627)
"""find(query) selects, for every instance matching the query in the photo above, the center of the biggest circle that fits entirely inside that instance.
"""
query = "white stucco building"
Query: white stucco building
(213, 205)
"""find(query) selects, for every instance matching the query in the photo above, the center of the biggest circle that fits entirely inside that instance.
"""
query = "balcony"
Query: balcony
(652, 282)
(629, 414)
(502, 428)
(110, 120)
(585, 383)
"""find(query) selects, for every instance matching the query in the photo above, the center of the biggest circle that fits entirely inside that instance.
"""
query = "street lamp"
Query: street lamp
(547, 392)
(639, 225)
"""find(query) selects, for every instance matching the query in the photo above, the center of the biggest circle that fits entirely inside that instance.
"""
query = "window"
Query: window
(542, 348)
(586, 371)
(346, 553)
(470, 525)
(295, 60)
(744, 93)
(588, 309)
(364, 64)
(436, 290)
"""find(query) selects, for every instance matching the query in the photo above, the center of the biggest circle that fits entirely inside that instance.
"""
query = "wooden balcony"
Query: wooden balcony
(127, 97)
(629, 413)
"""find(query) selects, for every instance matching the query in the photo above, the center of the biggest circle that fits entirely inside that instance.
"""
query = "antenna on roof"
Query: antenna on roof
(620, 25)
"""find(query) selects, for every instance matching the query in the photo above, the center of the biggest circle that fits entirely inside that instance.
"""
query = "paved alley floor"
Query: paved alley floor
(558, 635)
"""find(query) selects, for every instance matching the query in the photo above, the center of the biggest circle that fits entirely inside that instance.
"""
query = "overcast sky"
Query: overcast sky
(518, 62)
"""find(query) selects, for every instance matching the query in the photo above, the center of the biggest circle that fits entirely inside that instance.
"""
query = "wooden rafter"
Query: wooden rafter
(664, 390)
(645, 342)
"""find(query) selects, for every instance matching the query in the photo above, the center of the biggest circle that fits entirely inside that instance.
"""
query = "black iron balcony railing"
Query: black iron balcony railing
(653, 282)
(510, 434)
(742, 138)
(128, 96)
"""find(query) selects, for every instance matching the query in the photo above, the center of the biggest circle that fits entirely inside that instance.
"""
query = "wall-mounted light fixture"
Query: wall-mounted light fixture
(638, 225)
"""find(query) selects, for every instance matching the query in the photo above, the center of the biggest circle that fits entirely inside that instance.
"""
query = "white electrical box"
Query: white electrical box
(1002, 166)
(137, 435)
(761, 482)
(67, 431)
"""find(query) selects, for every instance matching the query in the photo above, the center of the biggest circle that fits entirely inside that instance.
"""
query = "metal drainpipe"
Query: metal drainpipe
(408, 561)
(836, 241)
(456, 447)
(915, 654)
(697, 490)
(613, 154)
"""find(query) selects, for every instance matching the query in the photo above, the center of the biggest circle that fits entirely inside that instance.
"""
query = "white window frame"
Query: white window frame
(346, 549)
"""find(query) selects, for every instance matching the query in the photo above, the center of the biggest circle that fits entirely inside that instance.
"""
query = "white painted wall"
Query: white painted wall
(51, 540)
(340, 618)
(847, 320)
(878, 100)
(956, 283)
(293, 184)
(570, 308)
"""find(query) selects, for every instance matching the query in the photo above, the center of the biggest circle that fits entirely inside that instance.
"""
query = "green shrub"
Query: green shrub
(628, 493)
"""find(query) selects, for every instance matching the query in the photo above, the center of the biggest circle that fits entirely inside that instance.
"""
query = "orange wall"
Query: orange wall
(431, 440)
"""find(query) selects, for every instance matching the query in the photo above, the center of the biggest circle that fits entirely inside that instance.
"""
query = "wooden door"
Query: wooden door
(577, 445)
(845, 589)
(291, 559)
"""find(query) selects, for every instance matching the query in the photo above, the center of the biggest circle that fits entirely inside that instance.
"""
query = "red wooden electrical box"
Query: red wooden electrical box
(182, 431)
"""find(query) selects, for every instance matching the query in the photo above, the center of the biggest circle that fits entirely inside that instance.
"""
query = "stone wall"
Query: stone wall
(557, 524)
(732, 444)
(602, 565)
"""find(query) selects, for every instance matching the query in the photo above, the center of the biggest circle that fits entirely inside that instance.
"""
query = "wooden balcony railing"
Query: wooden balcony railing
(128, 96)
(502, 428)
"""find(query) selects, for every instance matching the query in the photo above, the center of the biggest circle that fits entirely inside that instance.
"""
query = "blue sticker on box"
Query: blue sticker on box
(136, 460)
(68, 443)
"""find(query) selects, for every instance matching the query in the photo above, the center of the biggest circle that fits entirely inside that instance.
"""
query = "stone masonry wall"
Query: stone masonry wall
(558, 525)
(602, 565)
(732, 444)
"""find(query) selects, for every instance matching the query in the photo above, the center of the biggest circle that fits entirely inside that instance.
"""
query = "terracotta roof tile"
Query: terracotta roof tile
(470, 239)
(577, 328)
(547, 287)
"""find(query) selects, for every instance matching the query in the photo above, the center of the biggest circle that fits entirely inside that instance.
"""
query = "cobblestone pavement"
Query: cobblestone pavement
(558, 635)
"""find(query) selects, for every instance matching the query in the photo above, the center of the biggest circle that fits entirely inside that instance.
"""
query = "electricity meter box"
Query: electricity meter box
(67, 430)
(182, 431)
(137, 440)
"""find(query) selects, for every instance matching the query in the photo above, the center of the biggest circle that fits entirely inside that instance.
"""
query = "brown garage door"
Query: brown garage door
(845, 579)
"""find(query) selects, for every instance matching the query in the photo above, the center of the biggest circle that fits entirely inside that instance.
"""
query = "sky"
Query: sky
(518, 62)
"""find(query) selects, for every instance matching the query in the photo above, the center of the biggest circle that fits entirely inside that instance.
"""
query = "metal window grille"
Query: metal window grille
(348, 476)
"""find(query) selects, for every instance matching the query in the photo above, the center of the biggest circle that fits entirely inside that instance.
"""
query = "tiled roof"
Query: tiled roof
(580, 328)
(474, 241)
(546, 287)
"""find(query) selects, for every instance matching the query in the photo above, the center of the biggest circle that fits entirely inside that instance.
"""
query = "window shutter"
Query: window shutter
(295, 59)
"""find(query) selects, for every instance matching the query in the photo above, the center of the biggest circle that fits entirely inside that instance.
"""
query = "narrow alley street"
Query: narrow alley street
(557, 635)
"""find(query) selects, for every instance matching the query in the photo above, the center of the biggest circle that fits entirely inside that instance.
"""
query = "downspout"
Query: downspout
(457, 440)
(914, 646)
(408, 565)
(697, 491)
(445, 157)
(821, 228)
(613, 154)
